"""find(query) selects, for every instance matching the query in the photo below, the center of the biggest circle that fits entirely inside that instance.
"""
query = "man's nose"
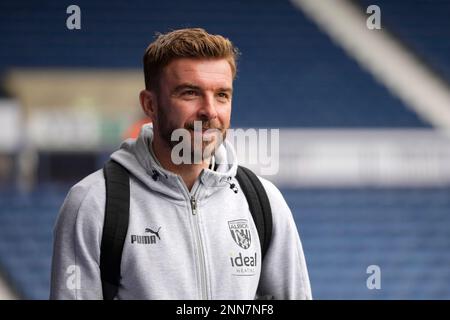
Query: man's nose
(208, 108)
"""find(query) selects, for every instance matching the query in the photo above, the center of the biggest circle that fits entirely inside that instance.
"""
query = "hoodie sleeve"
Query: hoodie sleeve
(76, 248)
(284, 274)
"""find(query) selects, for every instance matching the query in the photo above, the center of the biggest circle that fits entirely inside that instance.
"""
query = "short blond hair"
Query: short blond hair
(185, 43)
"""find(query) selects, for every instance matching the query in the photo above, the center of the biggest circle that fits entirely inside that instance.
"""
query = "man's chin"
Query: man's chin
(202, 146)
(207, 151)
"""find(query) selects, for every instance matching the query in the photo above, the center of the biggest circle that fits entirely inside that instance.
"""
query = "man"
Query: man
(185, 236)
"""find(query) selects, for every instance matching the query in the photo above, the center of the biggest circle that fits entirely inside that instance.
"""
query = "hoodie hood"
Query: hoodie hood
(137, 156)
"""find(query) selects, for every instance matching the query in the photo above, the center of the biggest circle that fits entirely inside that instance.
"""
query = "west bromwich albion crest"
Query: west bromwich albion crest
(240, 232)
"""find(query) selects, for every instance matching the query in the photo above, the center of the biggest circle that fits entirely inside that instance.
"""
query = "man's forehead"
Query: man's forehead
(208, 71)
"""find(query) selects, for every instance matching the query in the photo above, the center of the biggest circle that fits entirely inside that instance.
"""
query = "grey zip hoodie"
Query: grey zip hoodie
(201, 244)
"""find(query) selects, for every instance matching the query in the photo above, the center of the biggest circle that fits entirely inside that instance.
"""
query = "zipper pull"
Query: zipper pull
(194, 206)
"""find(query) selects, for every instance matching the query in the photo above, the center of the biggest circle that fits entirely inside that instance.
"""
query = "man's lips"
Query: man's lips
(206, 129)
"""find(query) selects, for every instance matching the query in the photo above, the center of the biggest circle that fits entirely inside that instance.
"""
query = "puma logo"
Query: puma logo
(154, 232)
(150, 239)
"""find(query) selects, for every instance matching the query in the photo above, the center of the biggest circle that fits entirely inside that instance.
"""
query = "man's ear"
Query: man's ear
(148, 103)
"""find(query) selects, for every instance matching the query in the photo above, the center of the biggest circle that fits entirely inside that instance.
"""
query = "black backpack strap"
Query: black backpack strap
(115, 226)
(259, 205)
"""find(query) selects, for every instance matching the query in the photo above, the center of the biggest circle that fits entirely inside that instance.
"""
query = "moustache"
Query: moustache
(205, 126)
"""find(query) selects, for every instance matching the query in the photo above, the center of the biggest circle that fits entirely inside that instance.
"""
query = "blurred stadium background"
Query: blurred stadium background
(363, 117)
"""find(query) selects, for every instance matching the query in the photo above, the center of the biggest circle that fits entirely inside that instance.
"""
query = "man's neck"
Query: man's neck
(188, 172)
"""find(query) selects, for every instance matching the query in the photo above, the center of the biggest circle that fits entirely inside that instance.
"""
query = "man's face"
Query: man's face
(194, 90)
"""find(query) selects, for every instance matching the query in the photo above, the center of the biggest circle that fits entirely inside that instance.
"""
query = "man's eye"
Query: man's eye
(223, 95)
(189, 93)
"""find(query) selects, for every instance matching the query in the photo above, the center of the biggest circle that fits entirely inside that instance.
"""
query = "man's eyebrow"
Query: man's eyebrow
(191, 86)
(184, 86)
(229, 90)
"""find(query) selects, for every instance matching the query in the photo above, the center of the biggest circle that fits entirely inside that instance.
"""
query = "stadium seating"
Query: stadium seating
(290, 74)
(404, 232)
(422, 26)
(26, 223)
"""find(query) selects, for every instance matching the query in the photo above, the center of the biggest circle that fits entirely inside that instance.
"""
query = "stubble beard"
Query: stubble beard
(207, 149)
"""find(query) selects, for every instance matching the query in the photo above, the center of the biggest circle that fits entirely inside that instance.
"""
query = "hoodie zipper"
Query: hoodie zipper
(194, 205)
(201, 255)
(198, 241)
(200, 252)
